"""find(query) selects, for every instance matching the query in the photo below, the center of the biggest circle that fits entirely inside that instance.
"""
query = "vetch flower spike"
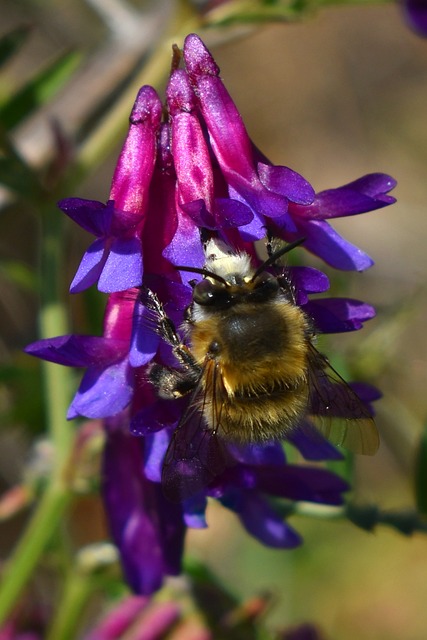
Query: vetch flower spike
(203, 370)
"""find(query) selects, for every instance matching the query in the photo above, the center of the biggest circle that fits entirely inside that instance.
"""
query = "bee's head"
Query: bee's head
(230, 279)
(210, 292)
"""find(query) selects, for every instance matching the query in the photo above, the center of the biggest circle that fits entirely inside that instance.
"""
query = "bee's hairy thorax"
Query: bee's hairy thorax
(260, 356)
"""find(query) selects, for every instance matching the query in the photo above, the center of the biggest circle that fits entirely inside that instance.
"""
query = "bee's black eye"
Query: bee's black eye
(265, 286)
(207, 293)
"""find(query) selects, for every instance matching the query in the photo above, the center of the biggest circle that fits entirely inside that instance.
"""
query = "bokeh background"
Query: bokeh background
(342, 94)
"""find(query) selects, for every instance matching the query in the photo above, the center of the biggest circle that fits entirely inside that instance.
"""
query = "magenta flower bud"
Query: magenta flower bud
(156, 621)
(134, 169)
(265, 189)
(191, 155)
(117, 621)
(115, 258)
(198, 201)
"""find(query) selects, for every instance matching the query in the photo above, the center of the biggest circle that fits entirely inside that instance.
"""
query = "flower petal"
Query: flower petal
(123, 268)
(253, 230)
(307, 280)
(147, 529)
(227, 133)
(90, 267)
(336, 315)
(232, 213)
(312, 445)
(262, 522)
(189, 149)
(103, 392)
(186, 247)
(91, 215)
(416, 15)
(145, 337)
(155, 447)
(286, 182)
(269, 453)
(294, 482)
(78, 351)
(195, 512)
(322, 240)
(360, 196)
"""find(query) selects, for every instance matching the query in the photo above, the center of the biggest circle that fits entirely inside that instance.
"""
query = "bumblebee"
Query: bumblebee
(249, 362)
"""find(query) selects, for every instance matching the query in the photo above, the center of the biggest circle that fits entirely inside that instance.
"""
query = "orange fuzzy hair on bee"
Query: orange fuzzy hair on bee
(256, 375)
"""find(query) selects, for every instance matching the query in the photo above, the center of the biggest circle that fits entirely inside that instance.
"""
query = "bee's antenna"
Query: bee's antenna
(275, 256)
(203, 272)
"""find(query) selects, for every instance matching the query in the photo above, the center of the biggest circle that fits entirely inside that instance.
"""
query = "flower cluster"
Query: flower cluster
(193, 176)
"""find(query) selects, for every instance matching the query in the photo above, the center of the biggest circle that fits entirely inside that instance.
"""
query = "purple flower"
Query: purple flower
(114, 259)
(266, 190)
(147, 528)
(282, 201)
(247, 489)
(107, 385)
(362, 195)
(181, 187)
(416, 15)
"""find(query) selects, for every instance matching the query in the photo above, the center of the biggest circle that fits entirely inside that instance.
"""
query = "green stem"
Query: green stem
(261, 11)
(38, 533)
(58, 380)
(69, 611)
(57, 383)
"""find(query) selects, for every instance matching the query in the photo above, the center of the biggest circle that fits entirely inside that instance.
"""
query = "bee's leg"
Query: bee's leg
(165, 325)
(171, 383)
(269, 244)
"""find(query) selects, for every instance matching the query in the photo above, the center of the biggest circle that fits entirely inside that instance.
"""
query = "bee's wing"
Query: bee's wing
(196, 455)
(337, 411)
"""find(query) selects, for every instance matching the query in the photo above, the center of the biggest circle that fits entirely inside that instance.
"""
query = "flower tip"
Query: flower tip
(365, 262)
(391, 182)
(198, 59)
(147, 107)
(180, 95)
(31, 349)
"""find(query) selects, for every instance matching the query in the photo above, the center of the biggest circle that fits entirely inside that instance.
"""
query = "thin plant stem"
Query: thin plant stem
(36, 536)
(57, 385)
(77, 590)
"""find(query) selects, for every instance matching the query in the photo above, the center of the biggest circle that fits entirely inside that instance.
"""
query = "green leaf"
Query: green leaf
(16, 175)
(12, 42)
(39, 90)
(21, 384)
(421, 474)
(18, 274)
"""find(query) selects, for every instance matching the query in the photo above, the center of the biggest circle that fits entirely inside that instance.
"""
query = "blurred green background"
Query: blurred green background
(337, 96)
